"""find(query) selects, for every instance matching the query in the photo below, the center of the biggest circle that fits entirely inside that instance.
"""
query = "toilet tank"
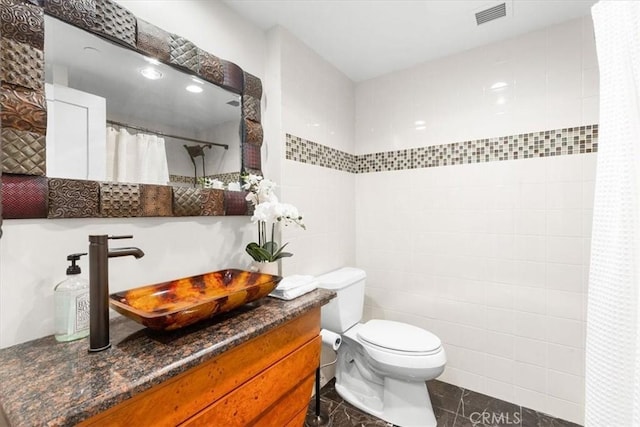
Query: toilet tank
(345, 310)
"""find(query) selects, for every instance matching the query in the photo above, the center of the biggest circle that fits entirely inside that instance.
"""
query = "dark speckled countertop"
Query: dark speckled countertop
(45, 383)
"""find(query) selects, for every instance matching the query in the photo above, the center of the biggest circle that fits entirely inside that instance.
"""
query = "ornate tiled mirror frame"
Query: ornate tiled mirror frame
(26, 190)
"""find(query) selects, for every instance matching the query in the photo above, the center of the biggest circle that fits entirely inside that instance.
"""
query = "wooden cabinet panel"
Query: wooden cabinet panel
(298, 420)
(247, 404)
(175, 400)
(287, 408)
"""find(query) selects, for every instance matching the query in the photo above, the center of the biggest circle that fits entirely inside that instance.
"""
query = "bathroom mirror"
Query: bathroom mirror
(117, 115)
(227, 114)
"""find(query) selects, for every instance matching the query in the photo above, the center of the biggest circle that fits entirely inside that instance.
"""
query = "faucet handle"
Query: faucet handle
(130, 236)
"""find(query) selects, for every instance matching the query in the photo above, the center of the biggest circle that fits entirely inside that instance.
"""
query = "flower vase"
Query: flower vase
(272, 268)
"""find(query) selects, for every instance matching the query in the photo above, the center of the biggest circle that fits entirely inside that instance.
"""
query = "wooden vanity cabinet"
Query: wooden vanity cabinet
(266, 381)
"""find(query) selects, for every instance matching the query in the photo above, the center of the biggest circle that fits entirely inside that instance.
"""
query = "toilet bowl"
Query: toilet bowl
(382, 365)
(399, 350)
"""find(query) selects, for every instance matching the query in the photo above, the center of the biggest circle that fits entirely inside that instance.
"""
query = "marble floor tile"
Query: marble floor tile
(327, 406)
(531, 418)
(453, 407)
(445, 396)
(346, 416)
(444, 417)
(488, 411)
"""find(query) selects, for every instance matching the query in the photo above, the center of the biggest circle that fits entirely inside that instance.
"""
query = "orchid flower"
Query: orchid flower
(268, 209)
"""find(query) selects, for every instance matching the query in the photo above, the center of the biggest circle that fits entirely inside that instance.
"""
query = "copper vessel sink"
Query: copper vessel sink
(179, 303)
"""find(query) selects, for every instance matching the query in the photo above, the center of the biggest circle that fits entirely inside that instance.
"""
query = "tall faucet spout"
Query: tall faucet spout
(99, 255)
(118, 252)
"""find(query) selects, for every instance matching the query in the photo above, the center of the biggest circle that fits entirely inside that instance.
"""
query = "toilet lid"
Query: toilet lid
(398, 336)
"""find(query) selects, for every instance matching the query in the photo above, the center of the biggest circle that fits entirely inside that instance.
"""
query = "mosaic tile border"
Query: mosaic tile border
(557, 142)
(226, 178)
(305, 151)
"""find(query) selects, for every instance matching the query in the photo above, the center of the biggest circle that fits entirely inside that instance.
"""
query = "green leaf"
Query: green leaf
(284, 255)
(268, 252)
(271, 247)
(280, 254)
(258, 253)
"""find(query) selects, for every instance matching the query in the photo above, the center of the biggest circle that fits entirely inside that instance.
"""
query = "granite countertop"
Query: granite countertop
(46, 383)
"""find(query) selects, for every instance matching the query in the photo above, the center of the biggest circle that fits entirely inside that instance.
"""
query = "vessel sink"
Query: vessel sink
(179, 303)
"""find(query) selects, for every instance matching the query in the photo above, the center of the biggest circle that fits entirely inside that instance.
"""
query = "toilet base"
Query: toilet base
(401, 403)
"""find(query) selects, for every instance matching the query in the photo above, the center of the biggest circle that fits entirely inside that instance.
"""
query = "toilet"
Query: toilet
(382, 365)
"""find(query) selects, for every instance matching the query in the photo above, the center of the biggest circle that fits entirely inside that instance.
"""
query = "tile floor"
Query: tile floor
(453, 407)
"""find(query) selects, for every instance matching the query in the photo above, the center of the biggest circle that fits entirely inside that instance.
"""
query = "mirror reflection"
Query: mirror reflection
(116, 115)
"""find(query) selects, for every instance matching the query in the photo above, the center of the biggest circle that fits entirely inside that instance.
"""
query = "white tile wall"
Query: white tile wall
(521, 308)
(491, 257)
(551, 79)
(318, 105)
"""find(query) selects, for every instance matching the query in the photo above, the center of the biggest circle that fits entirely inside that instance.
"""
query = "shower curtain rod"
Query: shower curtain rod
(141, 129)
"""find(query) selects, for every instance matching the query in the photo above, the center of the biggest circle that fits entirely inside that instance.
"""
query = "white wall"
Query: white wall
(492, 257)
(317, 104)
(553, 83)
(33, 252)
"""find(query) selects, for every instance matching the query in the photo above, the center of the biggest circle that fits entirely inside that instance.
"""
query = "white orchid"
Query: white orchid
(288, 214)
(260, 190)
(267, 209)
(264, 212)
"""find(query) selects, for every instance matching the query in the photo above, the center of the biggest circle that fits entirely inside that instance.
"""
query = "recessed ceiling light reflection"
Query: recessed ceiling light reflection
(499, 85)
(194, 89)
(151, 73)
(152, 61)
(421, 127)
(419, 123)
(90, 50)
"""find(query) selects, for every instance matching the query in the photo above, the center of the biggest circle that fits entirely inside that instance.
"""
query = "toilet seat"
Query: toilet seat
(398, 338)
(397, 363)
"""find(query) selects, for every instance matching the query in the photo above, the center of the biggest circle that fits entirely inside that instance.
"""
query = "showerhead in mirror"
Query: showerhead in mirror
(196, 151)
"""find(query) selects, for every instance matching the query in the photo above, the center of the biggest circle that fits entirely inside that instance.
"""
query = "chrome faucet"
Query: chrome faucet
(99, 255)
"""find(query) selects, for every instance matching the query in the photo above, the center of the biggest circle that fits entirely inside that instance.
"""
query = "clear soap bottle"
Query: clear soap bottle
(71, 299)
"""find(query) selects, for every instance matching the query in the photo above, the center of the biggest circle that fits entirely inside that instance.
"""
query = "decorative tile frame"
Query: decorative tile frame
(24, 196)
(234, 202)
(71, 198)
(24, 117)
(556, 142)
(212, 201)
(155, 200)
(119, 200)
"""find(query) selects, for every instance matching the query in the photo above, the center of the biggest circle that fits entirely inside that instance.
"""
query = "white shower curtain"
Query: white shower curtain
(136, 158)
(613, 314)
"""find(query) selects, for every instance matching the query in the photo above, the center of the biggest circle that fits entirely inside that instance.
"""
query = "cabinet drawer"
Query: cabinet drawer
(175, 400)
(298, 420)
(285, 410)
(261, 396)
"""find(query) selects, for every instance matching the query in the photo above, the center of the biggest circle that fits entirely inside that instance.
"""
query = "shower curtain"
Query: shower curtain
(138, 158)
(613, 314)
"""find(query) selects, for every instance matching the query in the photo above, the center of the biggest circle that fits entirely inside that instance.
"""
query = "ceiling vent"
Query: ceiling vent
(492, 13)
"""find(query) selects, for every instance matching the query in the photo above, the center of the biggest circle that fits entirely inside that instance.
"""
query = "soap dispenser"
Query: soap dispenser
(71, 299)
